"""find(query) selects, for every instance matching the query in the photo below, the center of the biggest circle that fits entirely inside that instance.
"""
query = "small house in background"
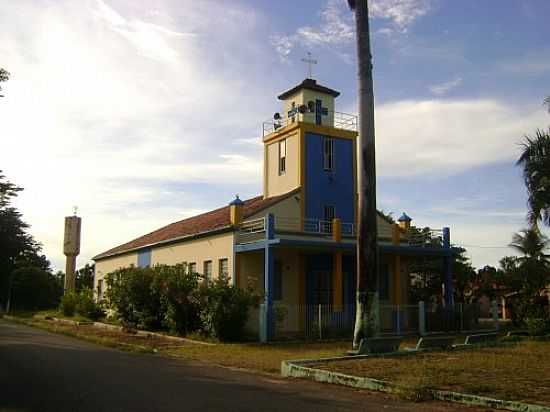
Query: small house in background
(296, 241)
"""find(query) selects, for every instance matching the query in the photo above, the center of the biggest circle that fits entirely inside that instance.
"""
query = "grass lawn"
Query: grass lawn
(263, 358)
(257, 357)
(520, 372)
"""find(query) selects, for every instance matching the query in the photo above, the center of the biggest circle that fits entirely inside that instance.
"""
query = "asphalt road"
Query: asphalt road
(42, 371)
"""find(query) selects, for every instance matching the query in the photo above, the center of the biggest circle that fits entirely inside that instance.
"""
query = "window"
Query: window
(192, 268)
(329, 213)
(293, 110)
(100, 289)
(328, 216)
(282, 157)
(224, 267)
(207, 270)
(328, 153)
(278, 281)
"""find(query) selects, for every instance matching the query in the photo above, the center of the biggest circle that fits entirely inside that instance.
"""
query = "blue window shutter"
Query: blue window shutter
(144, 258)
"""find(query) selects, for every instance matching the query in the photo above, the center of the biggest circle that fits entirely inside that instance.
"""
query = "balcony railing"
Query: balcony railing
(254, 230)
(425, 237)
(338, 120)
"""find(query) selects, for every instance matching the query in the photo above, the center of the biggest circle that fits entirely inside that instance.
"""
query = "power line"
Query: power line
(487, 247)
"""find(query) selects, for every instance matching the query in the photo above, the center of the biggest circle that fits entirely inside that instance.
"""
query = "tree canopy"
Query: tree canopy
(18, 249)
(4, 76)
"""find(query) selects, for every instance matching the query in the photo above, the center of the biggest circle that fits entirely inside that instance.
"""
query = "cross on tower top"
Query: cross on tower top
(310, 62)
(75, 210)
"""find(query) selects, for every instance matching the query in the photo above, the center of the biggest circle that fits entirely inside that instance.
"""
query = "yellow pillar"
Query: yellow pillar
(396, 267)
(336, 230)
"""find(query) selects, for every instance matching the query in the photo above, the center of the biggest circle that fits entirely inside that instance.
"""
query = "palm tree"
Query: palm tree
(4, 76)
(367, 248)
(534, 263)
(535, 160)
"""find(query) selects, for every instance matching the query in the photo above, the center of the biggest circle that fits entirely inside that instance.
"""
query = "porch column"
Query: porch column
(269, 265)
(337, 278)
(448, 268)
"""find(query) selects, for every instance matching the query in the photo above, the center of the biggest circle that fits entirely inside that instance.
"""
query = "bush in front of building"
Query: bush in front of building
(68, 304)
(180, 298)
(86, 305)
(172, 298)
(538, 326)
(135, 294)
(225, 309)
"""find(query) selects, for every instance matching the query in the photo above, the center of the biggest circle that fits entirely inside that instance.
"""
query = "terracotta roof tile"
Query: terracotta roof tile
(206, 222)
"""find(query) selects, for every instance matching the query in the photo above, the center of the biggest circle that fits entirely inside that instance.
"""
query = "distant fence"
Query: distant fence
(325, 321)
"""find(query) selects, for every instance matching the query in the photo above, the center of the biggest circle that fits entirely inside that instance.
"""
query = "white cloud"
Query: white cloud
(402, 13)
(107, 106)
(437, 137)
(444, 88)
(337, 28)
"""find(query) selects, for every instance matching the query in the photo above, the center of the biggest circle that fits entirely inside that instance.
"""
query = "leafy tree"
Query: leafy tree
(85, 277)
(465, 277)
(33, 288)
(535, 160)
(18, 249)
(528, 274)
(4, 76)
(534, 264)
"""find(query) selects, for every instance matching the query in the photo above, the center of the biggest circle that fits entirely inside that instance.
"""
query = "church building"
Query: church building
(296, 241)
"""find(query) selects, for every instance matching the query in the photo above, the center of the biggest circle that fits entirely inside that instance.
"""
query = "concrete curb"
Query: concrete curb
(119, 328)
(297, 369)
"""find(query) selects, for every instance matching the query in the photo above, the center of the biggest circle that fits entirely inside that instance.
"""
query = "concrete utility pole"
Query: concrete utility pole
(71, 249)
(367, 247)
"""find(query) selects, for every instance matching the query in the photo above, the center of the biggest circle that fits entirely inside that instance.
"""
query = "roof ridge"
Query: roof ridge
(218, 220)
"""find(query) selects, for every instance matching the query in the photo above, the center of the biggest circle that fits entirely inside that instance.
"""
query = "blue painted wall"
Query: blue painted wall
(329, 187)
(144, 258)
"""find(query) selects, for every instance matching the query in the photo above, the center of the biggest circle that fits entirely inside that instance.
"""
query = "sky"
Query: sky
(143, 113)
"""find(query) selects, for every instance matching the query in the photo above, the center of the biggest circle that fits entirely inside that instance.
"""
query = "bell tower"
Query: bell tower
(312, 147)
(308, 103)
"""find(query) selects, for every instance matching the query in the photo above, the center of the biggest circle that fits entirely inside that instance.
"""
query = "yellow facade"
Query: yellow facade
(108, 265)
(211, 248)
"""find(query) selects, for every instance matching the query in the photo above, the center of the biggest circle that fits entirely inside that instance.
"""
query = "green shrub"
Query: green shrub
(225, 309)
(69, 302)
(538, 326)
(87, 306)
(180, 297)
(135, 294)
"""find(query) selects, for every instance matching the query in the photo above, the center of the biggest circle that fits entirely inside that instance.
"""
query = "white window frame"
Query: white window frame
(192, 268)
(328, 153)
(220, 262)
(282, 145)
(207, 276)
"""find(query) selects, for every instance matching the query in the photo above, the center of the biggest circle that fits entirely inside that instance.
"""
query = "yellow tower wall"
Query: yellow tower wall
(275, 183)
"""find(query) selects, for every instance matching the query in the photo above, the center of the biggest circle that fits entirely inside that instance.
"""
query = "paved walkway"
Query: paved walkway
(42, 371)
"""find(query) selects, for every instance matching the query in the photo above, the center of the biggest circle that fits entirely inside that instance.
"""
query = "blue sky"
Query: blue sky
(143, 113)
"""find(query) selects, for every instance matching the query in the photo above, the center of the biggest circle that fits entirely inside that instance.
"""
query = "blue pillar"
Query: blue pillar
(267, 322)
(448, 268)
